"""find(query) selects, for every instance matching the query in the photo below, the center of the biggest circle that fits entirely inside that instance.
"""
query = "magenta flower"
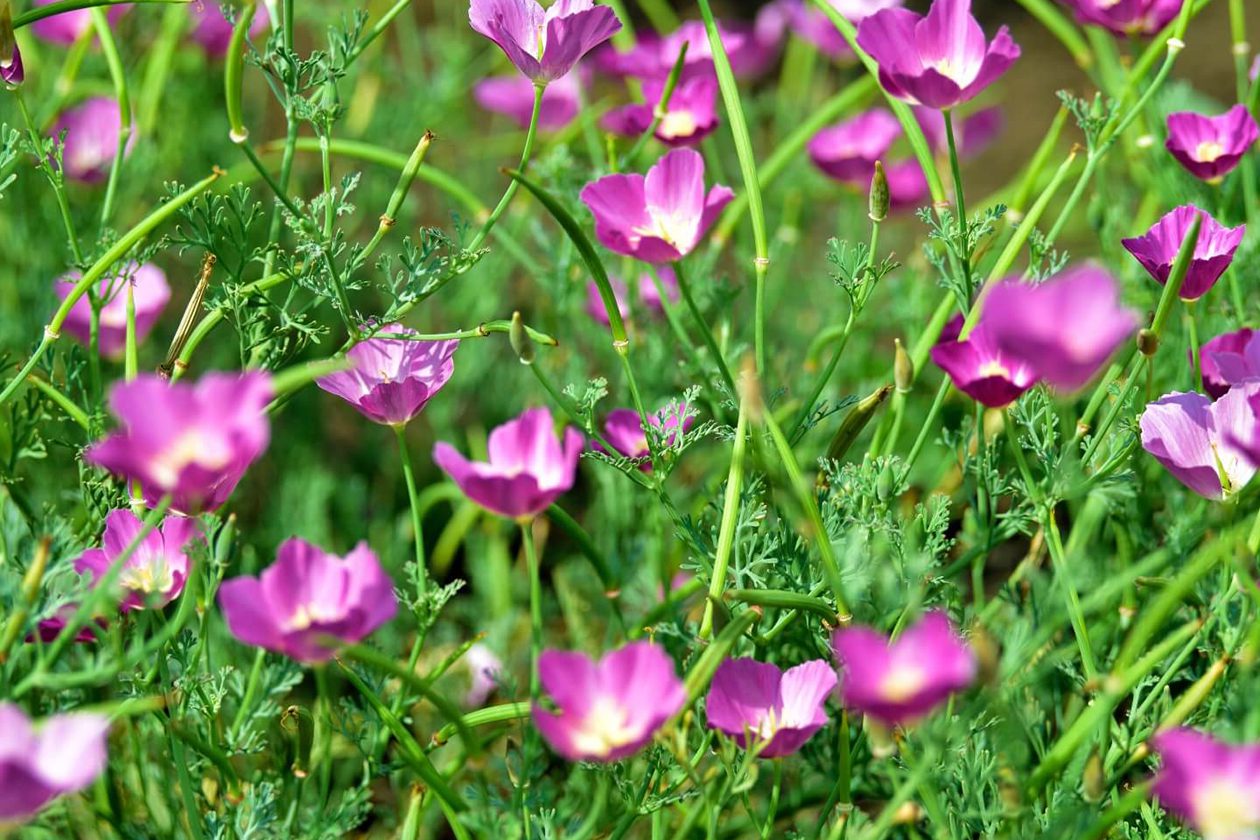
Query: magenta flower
(692, 114)
(392, 379)
(91, 143)
(813, 25)
(1064, 329)
(1229, 360)
(1211, 786)
(544, 45)
(651, 296)
(907, 185)
(12, 73)
(154, 574)
(1126, 17)
(48, 629)
(901, 681)
(1157, 249)
(595, 301)
(754, 702)
(1211, 147)
(979, 369)
(660, 218)
(940, 60)
(529, 468)
(513, 96)
(607, 710)
(749, 50)
(68, 27)
(63, 755)
(212, 29)
(972, 135)
(624, 430)
(309, 602)
(150, 292)
(191, 442)
(848, 150)
(1204, 443)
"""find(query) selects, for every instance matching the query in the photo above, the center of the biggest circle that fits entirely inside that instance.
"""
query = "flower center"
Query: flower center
(902, 683)
(1209, 152)
(993, 367)
(677, 124)
(605, 728)
(1223, 810)
(189, 448)
(307, 614)
(152, 576)
(671, 227)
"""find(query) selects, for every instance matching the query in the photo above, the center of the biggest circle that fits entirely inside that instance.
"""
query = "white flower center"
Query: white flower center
(1209, 152)
(677, 124)
(902, 683)
(1224, 811)
(191, 447)
(147, 578)
(993, 367)
(605, 728)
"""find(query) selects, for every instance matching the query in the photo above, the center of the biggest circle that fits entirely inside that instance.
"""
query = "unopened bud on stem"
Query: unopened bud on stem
(903, 369)
(879, 198)
(520, 341)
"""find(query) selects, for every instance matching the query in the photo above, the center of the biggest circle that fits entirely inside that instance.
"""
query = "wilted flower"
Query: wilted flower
(1157, 249)
(756, 703)
(529, 468)
(212, 29)
(392, 378)
(979, 369)
(848, 150)
(309, 602)
(513, 96)
(1063, 329)
(901, 681)
(749, 50)
(813, 25)
(63, 755)
(484, 669)
(972, 134)
(607, 710)
(191, 442)
(68, 27)
(91, 143)
(149, 291)
(155, 572)
(1211, 147)
(1126, 17)
(624, 430)
(691, 117)
(1202, 443)
(544, 45)
(659, 218)
(1211, 786)
(940, 60)
(1229, 360)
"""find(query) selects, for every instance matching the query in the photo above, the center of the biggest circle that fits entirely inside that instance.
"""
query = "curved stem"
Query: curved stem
(526, 153)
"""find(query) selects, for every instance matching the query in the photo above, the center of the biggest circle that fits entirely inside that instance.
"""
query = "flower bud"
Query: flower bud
(520, 341)
(855, 421)
(1147, 342)
(879, 197)
(1094, 779)
(903, 369)
(11, 72)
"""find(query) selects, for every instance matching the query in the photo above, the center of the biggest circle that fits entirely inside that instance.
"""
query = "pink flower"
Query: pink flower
(756, 703)
(544, 45)
(1126, 17)
(607, 710)
(1211, 147)
(513, 96)
(12, 73)
(692, 114)
(1157, 249)
(91, 143)
(940, 60)
(392, 379)
(979, 369)
(901, 681)
(907, 185)
(68, 27)
(848, 150)
(1211, 786)
(972, 134)
(48, 629)
(212, 29)
(149, 290)
(813, 25)
(63, 755)
(154, 574)
(309, 602)
(660, 218)
(484, 670)
(1229, 360)
(624, 430)
(192, 442)
(529, 468)
(750, 49)
(1203, 443)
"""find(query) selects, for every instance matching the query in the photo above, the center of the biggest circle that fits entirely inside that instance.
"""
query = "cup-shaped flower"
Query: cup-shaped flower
(91, 138)
(658, 218)
(529, 467)
(1063, 329)
(309, 602)
(392, 378)
(814, 26)
(623, 428)
(979, 369)
(1211, 786)
(1211, 147)
(149, 291)
(651, 295)
(153, 574)
(513, 96)
(760, 706)
(544, 45)
(1203, 443)
(607, 710)
(972, 134)
(12, 73)
(68, 27)
(848, 150)
(691, 116)
(901, 681)
(212, 30)
(1229, 360)
(62, 755)
(940, 60)
(191, 442)
(1126, 17)
(1157, 249)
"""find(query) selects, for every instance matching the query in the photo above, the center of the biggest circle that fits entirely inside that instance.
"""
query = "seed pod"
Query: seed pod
(520, 341)
(879, 199)
(855, 421)
(903, 368)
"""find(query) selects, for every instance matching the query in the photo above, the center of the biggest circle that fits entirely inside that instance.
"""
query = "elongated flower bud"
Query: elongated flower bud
(855, 421)
(879, 199)
(520, 341)
(903, 369)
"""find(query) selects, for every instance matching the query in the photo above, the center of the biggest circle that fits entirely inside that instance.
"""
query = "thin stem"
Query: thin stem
(730, 518)
(55, 178)
(684, 286)
(526, 153)
(125, 118)
(964, 237)
(417, 524)
(535, 607)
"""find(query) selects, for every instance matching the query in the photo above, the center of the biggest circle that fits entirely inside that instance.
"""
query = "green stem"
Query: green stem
(730, 518)
(54, 178)
(684, 286)
(417, 524)
(526, 153)
(125, 118)
(964, 236)
(535, 608)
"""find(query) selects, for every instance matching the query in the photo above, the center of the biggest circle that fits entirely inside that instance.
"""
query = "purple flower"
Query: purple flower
(692, 114)
(48, 629)
(1211, 786)
(1126, 17)
(978, 368)
(1157, 250)
(907, 185)
(1228, 360)
(624, 430)
(150, 292)
(11, 71)
(813, 25)
(62, 756)
(848, 150)
(1210, 147)
(544, 45)
(901, 681)
(212, 29)
(651, 296)
(309, 602)
(756, 702)
(193, 442)
(392, 379)
(529, 468)
(513, 96)
(659, 218)
(749, 49)
(940, 60)
(1204, 443)
(68, 27)
(595, 301)
(91, 143)
(972, 135)
(607, 710)
(1063, 329)
(484, 670)
(155, 573)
